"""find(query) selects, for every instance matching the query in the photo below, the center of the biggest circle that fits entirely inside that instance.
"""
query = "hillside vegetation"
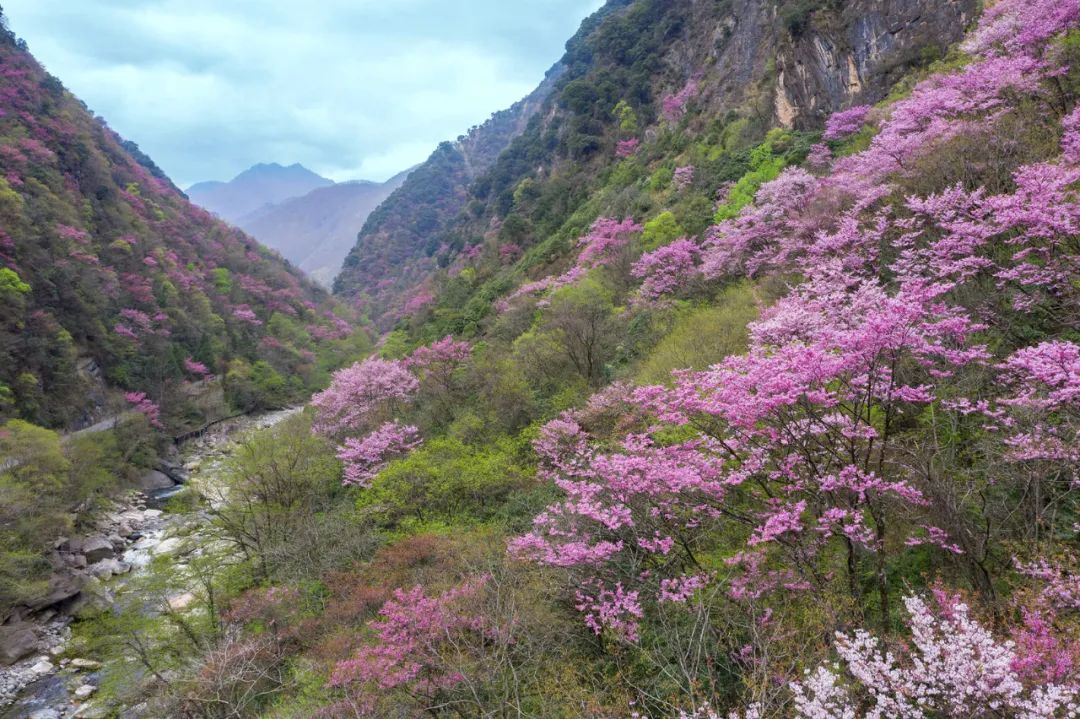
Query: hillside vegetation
(126, 307)
(705, 414)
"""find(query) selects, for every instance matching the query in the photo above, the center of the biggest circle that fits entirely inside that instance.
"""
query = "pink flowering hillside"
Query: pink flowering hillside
(108, 273)
(744, 383)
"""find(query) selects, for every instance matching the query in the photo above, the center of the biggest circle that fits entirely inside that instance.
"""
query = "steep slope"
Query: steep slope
(255, 187)
(395, 249)
(744, 65)
(108, 272)
(316, 231)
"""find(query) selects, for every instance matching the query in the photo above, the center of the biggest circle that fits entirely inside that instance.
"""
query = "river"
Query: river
(53, 685)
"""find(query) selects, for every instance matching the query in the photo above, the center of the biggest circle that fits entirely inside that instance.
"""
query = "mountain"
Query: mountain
(396, 247)
(316, 231)
(263, 184)
(748, 65)
(112, 282)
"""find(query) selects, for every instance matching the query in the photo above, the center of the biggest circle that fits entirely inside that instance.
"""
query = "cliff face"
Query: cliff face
(766, 63)
(862, 51)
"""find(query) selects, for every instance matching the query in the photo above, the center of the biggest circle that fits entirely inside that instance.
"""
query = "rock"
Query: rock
(62, 587)
(85, 664)
(109, 568)
(169, 546)
(117, 540)
(173, 471)
(17, 642)
(181, 601)
(85, 691)
(76, 560)
(91, 711)
(154, 480)
(96, 548)
(43, 667)
(152, 513)
(139, 711)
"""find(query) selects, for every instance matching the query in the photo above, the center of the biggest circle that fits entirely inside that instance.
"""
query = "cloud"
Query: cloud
(349, 88)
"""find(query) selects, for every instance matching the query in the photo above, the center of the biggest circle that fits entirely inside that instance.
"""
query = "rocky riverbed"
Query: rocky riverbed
(38, 678)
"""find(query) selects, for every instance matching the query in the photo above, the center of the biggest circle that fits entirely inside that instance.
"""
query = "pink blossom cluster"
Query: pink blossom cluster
(445, 352)
(365, 458)
(627, 148)
(244, 313)
(604, 240)
(420, 300)
(846, 122)
(668, 269)
(673, 107)
(196, 368)
(953, 665)
(413, 645)
(683, 177)
(146, 407)
(362, 396)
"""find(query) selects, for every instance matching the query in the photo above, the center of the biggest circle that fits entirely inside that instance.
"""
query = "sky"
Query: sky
(352, 89)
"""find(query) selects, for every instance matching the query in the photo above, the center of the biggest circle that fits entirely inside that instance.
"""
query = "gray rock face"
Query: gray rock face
(17, 642)
(63, 585)
(873, 46)
(173, 471)
(154, 480)
(96, 548)
(109, 567)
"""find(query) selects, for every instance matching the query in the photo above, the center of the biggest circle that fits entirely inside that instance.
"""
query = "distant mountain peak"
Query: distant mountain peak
(256, 187)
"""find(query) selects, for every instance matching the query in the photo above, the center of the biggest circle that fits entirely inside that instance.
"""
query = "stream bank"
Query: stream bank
(49, 684)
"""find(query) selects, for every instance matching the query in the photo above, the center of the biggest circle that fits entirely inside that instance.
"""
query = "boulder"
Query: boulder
(96, 548)
(62, 586)
(173, 471)
(17, 641)
(45, 714)
(169, 546)
(181, 601)
(85, 691)
(109, 567)
(43, 667)
(154, 481)
(85, 664)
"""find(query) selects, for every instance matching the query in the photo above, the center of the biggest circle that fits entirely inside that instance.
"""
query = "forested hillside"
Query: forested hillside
(709, 405)
(743, 383)
(110, 279)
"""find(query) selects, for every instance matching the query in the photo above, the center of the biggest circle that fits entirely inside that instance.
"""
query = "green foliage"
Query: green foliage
(281, 493)
(448, 480)
(251, 387)
(766, 162)
(36, 489)
(626, 117)
(661, 230)
(11, 286)
(579, 333)
(702, 336)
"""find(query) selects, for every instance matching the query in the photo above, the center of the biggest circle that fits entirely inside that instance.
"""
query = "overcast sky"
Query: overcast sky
(353, 89)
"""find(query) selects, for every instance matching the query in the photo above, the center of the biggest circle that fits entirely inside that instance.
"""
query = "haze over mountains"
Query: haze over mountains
(307, 218)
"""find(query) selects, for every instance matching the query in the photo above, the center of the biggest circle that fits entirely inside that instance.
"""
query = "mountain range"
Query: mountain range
(310, 220)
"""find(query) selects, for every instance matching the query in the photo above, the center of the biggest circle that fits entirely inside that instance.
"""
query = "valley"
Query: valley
(733, 371)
